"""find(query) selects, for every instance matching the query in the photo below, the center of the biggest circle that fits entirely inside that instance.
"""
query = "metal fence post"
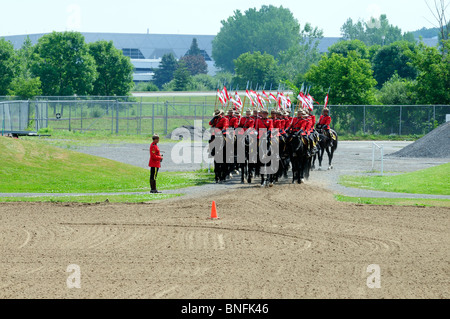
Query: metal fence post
(139, 122)
(153, 119)
(70, 117)
(400, 122)
(203, 113)
(3, 120)
(117, 117)
(140, 118)
(434, 116)
(36, 117)
(81, 117)
(364, 119)
(166, 117)
(128, 117)
(112, 119)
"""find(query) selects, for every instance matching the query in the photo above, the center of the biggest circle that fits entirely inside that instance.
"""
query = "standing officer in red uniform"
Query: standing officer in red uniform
(154, 163)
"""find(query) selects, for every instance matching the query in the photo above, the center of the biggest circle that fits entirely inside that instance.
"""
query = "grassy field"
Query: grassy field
(434, 180)
(31, 167)
(395, 201)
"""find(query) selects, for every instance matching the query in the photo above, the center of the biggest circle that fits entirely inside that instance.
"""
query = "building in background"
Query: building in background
(144, 50)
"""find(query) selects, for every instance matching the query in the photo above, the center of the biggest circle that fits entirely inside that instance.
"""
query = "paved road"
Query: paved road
(351, 157)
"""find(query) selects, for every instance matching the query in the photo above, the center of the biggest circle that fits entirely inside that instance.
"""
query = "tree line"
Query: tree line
(373, 63)
(63, 64)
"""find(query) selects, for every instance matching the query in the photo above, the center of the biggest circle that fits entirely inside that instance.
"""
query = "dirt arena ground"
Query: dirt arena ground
(290, 241)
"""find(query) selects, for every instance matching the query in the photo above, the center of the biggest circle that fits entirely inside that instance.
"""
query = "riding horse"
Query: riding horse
(266, 156)
(298, 156)
(326, 144)
(248, 160)
(217, 144)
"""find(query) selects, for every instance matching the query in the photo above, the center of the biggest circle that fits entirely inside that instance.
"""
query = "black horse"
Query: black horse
(217, 150)
(265, 166)
(282, 156)
(326, 144)
(247, 161)
(298, 156)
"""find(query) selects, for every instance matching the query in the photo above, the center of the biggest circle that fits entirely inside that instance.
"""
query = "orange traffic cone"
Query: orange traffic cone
(213, 211)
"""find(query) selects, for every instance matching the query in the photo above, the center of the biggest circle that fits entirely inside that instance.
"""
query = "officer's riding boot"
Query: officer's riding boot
(331, 139)
(308, 147)
(153, 187)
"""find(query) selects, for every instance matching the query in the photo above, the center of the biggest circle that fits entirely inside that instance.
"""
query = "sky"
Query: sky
(200, 17)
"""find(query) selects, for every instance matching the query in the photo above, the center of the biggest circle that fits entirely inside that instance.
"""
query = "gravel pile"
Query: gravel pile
(435, 144)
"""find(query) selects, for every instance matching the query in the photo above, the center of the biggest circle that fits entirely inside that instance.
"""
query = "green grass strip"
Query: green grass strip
(141, 198)
(395, 201)
(434, 180)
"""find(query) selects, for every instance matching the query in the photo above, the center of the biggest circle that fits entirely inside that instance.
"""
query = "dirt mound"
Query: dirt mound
(435, 144)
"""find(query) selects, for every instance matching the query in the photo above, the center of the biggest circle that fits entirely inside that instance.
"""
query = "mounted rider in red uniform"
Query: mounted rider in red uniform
(324, 124)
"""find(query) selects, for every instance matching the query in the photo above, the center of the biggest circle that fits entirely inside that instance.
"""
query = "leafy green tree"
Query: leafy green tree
(396, 91)
(165, 72)
(391, 59)
(7, 65)
(270, 29)
(256, 68)
(64, 65)
(181, 77)
(300, 56)
(25, 88)
(350, 79)
(344, 46)
(202, 82)
(376, 31)
(115, 71)
(24, 59)
(24, 85)
(433, 82)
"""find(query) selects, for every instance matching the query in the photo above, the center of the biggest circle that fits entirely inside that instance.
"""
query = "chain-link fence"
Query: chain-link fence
(387, 119)
(138, 116)
(13, 116)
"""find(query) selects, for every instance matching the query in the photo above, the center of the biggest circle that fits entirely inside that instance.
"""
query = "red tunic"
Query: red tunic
(264, 124)
(246, 123)
(220, 122)
(300, 124)
(233, 121)
(155, 156)
(325, 121)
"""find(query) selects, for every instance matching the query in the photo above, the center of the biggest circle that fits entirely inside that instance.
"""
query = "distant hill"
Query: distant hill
(426, 33)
